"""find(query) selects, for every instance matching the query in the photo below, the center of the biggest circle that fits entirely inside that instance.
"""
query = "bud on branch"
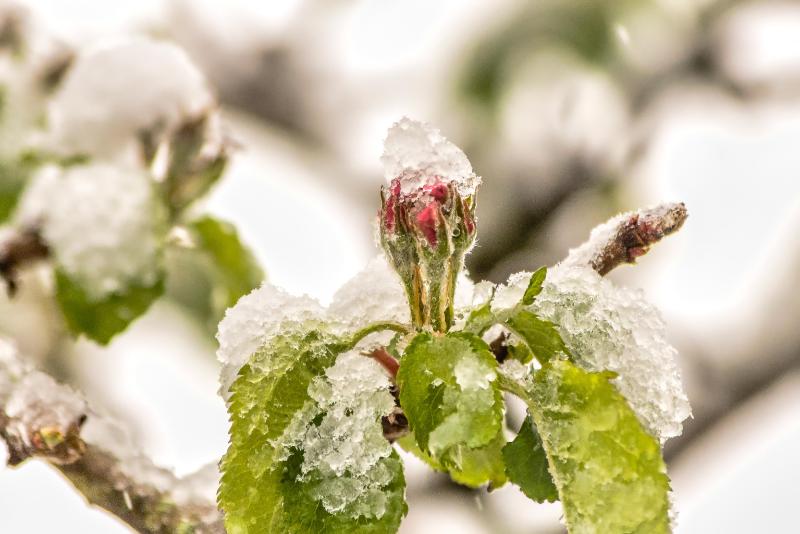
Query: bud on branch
(427, 218)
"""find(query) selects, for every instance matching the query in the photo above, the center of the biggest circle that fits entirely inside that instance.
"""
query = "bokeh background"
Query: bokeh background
(571, 110)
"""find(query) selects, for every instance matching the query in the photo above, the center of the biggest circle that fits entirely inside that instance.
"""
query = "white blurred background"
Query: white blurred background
(571, 111)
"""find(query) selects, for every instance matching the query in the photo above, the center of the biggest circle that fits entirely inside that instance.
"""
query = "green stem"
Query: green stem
(377, 327)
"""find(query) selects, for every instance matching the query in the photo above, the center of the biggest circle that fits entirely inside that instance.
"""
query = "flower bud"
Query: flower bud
(427, 218)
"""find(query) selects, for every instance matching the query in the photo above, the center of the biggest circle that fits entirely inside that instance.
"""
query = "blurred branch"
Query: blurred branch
(19, 248)
(43, 419)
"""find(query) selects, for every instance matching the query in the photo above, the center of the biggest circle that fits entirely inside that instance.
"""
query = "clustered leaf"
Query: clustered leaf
(581, 442)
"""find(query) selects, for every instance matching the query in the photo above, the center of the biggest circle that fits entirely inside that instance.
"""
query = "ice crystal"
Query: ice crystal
(114, 93)
(258, 316)
(340, 434)
(420, 156)
(510, 294)
(613, 328)
(101, 222)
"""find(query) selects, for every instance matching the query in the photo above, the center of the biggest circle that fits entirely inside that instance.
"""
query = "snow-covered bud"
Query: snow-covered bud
(427, 217)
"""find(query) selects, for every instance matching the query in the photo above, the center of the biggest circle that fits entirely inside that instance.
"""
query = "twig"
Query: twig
(40, 418)
(627, 236)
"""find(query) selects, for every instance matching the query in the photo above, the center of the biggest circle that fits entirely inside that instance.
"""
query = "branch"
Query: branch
(40, 418)
(627, 236)
(17, 249)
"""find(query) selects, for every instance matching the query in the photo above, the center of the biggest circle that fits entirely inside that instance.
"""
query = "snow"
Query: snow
(102, 223)
(473, 374)
(343, 452)
(510, 294)
(374, 294)
(419, 155)
(614, 328)
(256, 317)
(115, 92)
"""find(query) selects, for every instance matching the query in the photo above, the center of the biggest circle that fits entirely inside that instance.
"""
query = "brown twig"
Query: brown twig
(40, 418)
(628, 236)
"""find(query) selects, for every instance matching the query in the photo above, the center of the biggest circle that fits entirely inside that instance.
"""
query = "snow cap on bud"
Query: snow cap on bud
(427, 219)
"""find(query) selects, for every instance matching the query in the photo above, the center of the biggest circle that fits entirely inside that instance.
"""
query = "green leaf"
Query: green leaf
(475, 467)
(609, 471)
(211, 277)
(526, 464)
(101, 320)
(540, 335)
(263, 488)
(239, 271)
(534, 286)
(449, 394)
(13, 178)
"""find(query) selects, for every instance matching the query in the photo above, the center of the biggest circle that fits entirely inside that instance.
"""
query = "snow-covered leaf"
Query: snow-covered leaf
(100, 319)
(526, 464)
(608, 470)
(611, 328)
(449, 393)
(307, 451)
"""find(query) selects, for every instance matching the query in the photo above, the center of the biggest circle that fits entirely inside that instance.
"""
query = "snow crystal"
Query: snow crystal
(374, 294)
(472, 374)
(344, 452)
(613, 328)
(510, 294)
(517, 371)
(417, 153)
(113, 93)
(255, 318)
(101, 222)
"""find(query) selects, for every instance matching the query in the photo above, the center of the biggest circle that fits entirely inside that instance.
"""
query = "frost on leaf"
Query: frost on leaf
(606, 327)
(613, 328)
(420, 156)
(449, 393)
(306, 432)
(373, 295)
(114, 93)
(258, 317)
(346, 460)
(608, 469)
